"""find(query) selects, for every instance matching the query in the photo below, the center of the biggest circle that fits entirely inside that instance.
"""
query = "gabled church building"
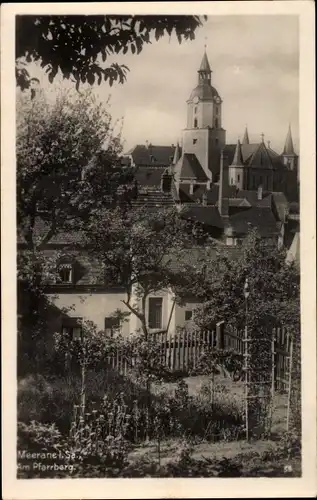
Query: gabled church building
(226, 187)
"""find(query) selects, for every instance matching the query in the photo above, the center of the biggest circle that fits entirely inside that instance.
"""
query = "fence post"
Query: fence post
(290, 365)
(220, 334)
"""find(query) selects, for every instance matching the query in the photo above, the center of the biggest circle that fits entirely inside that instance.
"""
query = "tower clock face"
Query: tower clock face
(217, 99)
(196, 99)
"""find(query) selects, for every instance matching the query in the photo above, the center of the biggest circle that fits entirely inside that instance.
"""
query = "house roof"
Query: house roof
(151, 196)
(151, 154)
(261, 218)
(207, 215)
(189, 167)
(149, 176)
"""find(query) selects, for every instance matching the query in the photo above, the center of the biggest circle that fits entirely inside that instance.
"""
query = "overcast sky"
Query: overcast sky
(255, 63)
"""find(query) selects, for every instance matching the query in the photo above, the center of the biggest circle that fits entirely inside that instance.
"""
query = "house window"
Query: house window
(65, 272)
(155, 312)
(72, 328)
(112, 325)
(216, 122)
(195, 123)
(238, 177)
(217, 110)
(231, 180)
(188, 315)
(195, 110)
(217, 141)
(194, 141)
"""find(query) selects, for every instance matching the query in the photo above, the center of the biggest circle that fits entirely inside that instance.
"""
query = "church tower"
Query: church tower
(204, 135)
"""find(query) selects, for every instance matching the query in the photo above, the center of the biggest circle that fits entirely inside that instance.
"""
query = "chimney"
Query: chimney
(204, 199)
(223, 200)
(166, 182)
(260, 193)
(191, 188)
(147, 144)
(208, 185)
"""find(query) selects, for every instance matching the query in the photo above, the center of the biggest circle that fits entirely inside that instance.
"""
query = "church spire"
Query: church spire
(245, 139)
(204, 72)
(289, 147)
(205, 66)
(237, 159)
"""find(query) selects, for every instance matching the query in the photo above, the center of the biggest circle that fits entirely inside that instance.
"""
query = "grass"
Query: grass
(52, 400)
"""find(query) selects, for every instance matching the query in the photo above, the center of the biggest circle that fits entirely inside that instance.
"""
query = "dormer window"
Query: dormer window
(65, 272)
(195, 123)
(152, 158)
(194, 141)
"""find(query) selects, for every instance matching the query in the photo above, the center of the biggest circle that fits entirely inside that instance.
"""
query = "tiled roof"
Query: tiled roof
(149, 176)
(62, 238)
(207, 215)
(197, 253)
(149, 155)
(260, 218)
(188, 167)
(153, 197)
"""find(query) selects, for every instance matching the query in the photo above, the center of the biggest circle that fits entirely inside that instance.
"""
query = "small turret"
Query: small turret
(236, 169)
(245, 139)
(289, 156)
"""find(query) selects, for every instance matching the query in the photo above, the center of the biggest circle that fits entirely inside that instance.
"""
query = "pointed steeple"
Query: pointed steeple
(237, 159)
(177, 154)
(204, 72)
(245, 139)
(289, 147)
(205, 66)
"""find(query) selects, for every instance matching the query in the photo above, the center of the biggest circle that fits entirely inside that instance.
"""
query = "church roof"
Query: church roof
(204, 91)
(289, 146)
(204, 66)
(189, 167)
(254, 155)
(155, 155)
(261, 158)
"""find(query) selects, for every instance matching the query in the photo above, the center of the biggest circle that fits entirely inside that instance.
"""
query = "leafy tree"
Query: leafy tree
(273, 285)
(68, 167)
(68, 163)
(146, 251)
(274, 301)
(75, 44)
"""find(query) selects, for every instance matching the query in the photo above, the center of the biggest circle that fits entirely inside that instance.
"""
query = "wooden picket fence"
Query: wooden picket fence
(181, 351)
